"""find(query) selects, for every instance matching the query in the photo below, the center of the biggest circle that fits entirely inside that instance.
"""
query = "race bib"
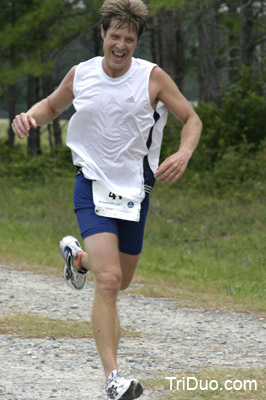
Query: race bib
(108, 204)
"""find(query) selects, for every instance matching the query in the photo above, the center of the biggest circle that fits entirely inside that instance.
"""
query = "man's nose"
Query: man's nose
(121, 44)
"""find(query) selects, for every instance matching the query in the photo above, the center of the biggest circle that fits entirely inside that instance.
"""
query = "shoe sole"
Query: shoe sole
(68, 279)
(134, 391)
(67, 273)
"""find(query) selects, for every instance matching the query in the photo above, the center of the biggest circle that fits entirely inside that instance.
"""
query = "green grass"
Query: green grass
(229, 377)
(199, 248)
(31, 325)
(33, 219)
(34, 326)
(204, 245)
(208, 244)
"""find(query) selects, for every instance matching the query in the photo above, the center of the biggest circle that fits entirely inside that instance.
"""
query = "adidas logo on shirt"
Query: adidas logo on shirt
(130, 100)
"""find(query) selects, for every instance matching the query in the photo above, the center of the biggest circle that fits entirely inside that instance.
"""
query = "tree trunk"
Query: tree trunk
(57, 133)
(247, 46)
(180, 57)
(34, 142)
(12, 91)
(233, 40)
(50, 136)
(208, 60)
(160, 43)
(12, 99)
(54, 128)
(153, 42)
(172, 45)
(97, 41)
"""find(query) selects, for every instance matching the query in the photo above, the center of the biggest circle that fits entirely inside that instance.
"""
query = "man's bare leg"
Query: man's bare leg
(128, 265)
(113, 271)
(104, 262)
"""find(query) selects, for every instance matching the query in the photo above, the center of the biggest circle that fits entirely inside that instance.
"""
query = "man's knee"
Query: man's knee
(108, 282)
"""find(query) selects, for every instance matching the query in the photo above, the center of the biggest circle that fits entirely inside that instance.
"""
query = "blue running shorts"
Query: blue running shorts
(130, 234)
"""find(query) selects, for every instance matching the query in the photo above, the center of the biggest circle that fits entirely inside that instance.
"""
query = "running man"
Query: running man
(121, 105)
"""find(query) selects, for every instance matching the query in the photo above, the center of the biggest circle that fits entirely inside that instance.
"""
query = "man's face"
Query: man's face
(118, 46)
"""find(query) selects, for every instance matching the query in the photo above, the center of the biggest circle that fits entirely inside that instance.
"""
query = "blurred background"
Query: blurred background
(209, 47)
(205, 237)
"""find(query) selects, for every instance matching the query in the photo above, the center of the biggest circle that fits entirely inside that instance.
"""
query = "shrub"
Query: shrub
(14, 163)
(239, 118)
(240, 165)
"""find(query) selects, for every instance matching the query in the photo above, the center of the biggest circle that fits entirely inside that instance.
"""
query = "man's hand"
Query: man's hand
(173, 167)
(21, 125)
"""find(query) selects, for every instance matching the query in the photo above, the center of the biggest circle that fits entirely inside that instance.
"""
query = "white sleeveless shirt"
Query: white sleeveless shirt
(113, 135)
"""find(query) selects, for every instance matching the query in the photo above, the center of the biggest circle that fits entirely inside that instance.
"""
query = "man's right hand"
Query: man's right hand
(21, 125)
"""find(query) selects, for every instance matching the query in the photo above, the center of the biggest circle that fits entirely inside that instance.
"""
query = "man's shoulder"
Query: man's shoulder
(87, 65)
(141, 63)
(93, 60)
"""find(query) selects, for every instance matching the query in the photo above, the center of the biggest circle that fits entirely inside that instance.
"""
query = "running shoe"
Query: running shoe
(69, 248)
(122, 388)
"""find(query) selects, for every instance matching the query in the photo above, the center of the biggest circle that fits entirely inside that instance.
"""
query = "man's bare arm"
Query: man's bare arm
(47, 109)
(165, 90)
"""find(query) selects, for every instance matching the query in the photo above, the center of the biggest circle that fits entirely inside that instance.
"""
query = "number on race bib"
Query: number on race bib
(113, 196)
(109, 204)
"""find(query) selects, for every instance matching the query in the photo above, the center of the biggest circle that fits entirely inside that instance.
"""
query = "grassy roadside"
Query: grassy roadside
(249, 384)
(208, 249)
(35, 326)
(243, 384)
(203, 250)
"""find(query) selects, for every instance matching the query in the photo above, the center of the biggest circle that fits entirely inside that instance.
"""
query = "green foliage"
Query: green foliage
(241, 165)
(42, 29)
(32, 67)
(231, 22)
(240, 168)
(239, 118)
(171, 137)
(156, 5)
(233, 137)
(15, 164)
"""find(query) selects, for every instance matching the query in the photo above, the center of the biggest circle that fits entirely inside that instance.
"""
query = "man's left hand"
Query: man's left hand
(173, 167)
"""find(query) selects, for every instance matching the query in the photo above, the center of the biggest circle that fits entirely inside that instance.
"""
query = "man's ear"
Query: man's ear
(102, 32)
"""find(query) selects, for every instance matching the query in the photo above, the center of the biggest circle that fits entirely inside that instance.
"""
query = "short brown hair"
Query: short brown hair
(132, 12)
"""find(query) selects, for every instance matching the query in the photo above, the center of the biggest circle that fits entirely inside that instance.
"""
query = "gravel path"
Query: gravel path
(171, 339)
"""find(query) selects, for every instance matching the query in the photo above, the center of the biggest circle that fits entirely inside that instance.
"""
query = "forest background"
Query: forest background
(205, 237)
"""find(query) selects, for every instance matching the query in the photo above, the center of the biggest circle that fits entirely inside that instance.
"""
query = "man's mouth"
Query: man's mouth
(117, 55)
